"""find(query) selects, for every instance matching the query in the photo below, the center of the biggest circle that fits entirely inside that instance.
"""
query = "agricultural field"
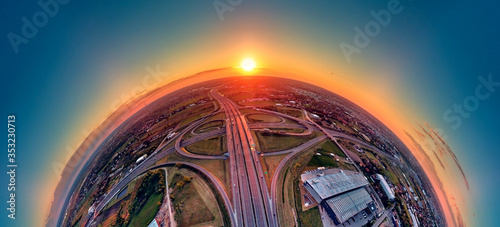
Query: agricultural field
(193, 201)
(263, 118)
(213, 146)
(269, 142)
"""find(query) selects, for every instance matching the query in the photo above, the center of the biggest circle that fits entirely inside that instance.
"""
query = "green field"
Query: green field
(329, 147)
(292, 130)
(269, 165)
(147, 199)
(322, 160)
(217, 167)
(262, 118)
(212, 146)
(291, 111)
(391, 176)
(207, 127)
(148, 212)
(309, 217)
(187, 203)
(274, 142)
(286, 191)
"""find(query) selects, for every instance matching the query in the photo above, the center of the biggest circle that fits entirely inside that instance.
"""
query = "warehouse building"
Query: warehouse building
(342, 193)
(385, 186)
(342, 207)
(327, 184)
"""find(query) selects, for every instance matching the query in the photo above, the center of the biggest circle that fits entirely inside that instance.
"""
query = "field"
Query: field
(129, 188)
(148, 212)
(193, 113)
(330, 147)
(218, 116)
(217, 167)
(258, 103)
(192, 199)
(322, 161)
(274, 142)
(249, 111)
(209, 126)
(269, 164)
(262, 118)
(212, 146)
(286, 194)
(310, 217)
(146, 201)
(292, 130)
(291, 111)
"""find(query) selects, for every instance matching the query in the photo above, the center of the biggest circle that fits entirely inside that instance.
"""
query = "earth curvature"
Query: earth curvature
(251, 151)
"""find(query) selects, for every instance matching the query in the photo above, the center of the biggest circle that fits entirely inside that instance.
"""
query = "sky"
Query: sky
(65, 71)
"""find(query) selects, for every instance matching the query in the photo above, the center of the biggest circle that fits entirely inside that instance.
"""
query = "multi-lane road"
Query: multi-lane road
(251, 198)
(251, 202)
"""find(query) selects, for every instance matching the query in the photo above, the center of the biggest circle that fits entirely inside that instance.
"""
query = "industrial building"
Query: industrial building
(342, 193)
(342, 207)
(385, 186)
(327, 184)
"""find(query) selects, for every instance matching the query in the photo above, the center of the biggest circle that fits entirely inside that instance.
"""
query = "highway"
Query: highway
(327, 133)
(274, 125)
(298, 148)
(260, 127)
(251, 198)
(184, 152)
(301, 121)
(274, 181)
(252, 204)
(158, 154)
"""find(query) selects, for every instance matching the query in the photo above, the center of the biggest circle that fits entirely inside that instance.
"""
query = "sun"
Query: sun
(248, 64)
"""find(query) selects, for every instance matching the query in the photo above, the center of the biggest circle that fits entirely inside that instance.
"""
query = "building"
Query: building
(153, 223)
(342, 193)
(326, 184)
(141, 158)
(385, 186)
(342, 207)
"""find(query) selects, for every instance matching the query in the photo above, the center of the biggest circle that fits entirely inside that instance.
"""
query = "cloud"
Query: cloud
(458, 215)
(427, 140)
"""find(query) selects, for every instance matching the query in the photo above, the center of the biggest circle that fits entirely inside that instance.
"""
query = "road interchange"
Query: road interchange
(251, 203)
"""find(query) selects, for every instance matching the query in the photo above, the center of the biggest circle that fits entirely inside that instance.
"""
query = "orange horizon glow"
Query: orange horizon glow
(383, 109)
(248, 64)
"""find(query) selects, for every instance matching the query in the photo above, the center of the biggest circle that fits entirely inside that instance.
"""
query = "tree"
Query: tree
(180, 184)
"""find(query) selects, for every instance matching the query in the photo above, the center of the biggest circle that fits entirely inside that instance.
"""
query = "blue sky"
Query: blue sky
(65, 78)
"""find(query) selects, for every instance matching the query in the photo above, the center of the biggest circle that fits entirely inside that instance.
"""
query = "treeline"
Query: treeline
(153, 183)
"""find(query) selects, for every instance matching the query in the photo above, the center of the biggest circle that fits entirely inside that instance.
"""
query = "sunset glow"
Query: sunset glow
(248, 64)
(394, 61)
